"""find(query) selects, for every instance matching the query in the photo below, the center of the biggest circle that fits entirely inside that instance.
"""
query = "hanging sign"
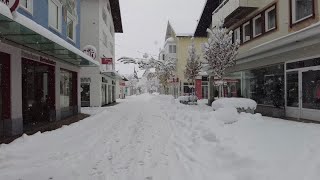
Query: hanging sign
(90, 51)
(12, 4)
(106, 61)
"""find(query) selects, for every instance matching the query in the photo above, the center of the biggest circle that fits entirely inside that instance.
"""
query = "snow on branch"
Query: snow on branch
(220, 51)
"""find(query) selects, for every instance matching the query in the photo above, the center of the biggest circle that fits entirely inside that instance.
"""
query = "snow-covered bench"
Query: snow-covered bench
(241, 104)
(188, 99)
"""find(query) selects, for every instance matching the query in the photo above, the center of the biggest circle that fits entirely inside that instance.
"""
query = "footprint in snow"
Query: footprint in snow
(141, 163)
(149, 178)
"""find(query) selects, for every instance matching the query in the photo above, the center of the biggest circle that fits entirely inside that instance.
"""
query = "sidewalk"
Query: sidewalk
(48, 126)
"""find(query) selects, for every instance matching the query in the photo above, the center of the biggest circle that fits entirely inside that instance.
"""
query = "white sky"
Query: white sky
(145, 22)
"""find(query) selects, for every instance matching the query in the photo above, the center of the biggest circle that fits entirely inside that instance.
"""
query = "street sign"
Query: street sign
(12, 4)
(106, 61)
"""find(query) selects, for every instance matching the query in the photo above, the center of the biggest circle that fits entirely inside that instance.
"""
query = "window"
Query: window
(104, 16)
(105, 39)
(55, 14)
(257, 26)
(71, 27)
(246, 32)
(270, 18)
(236, 35)
(27, 5)
(172, 49)
(301, 9)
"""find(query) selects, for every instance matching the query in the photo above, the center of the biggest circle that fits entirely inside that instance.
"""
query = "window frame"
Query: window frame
(59, 6)
(238, 31)
(29, 7)
(73, 19)
(248, 23)
(254, 25)
(293, 19)
(267, 18)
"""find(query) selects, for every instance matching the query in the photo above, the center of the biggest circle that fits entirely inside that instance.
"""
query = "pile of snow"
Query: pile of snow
(238, 103)
(188, 98)
(227, 115)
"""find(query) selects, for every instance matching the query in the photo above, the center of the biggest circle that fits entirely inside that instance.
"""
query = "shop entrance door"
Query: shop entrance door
(5, 96)
(38, 92)
(303, 93)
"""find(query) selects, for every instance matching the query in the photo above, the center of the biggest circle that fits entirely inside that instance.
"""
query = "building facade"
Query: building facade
(176, 46)
(278, 62)
(101, 19)
(40, 62)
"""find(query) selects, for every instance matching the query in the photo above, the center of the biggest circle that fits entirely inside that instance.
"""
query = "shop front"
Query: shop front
(303, 89)
(5, 106)
(38, 95)
(38, 75)
(265, 85)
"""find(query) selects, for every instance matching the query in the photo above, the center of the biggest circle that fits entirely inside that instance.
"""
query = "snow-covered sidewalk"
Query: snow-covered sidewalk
(156, 138)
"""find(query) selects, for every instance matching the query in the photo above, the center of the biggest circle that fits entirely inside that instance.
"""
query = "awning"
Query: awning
(25, 32)
(113, 74)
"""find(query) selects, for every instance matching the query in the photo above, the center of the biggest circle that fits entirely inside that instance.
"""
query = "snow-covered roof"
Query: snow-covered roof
(170, 40)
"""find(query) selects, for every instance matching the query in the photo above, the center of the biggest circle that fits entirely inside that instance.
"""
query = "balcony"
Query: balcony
(231, 11)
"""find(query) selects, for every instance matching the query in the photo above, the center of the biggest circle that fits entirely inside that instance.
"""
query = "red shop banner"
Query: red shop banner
(106, 60)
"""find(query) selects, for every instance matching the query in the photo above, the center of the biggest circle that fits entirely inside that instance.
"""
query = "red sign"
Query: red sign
(12, 4)
(106, 60)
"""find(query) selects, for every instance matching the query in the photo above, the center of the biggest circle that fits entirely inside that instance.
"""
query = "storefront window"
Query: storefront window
(267, 85)
(85, 94)
(264, 85)
(311, 89)
(293, 89)
(66, 89)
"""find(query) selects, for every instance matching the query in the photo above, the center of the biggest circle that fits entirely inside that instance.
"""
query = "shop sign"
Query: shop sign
(85, 80)
(106, 61)
(12, 4)
(46, 60)
(30, 56)
(90, 51)
(122, 83)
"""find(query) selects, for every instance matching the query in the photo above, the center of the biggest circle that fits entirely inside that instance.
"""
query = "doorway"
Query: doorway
(303, 93)
(5, 94)
(38, 95)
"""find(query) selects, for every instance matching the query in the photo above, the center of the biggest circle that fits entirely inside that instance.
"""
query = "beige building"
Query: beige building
(279, 58)
(176, 46)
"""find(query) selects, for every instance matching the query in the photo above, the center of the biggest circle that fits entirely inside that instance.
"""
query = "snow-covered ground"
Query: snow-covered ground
(156, 138)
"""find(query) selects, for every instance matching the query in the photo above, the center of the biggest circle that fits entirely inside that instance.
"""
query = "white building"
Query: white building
(100, 20)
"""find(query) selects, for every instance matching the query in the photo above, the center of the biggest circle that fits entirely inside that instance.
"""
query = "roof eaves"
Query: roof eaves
(116, 15)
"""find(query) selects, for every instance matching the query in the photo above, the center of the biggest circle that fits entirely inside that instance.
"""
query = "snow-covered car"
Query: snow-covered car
(192, 99)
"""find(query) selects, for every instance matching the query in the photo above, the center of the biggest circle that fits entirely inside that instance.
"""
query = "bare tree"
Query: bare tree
(219, 53)
(164, 68)
(193, 66)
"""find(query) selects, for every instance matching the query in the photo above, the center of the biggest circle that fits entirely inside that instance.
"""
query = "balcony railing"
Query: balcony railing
(231, 11)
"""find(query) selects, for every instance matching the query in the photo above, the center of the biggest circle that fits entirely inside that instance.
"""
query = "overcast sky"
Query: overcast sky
(144, 26)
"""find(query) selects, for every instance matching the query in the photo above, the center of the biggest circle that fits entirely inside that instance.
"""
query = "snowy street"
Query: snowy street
(156, 138)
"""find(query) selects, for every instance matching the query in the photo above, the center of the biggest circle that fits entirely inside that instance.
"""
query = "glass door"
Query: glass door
(1, 119)
(310, 94)
(303, 94)
(292, 94)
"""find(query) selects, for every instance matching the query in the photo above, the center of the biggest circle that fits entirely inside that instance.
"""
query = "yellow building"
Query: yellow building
(176, 46)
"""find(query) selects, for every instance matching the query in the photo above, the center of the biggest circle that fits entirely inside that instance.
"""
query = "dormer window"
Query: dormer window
(172, 49)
